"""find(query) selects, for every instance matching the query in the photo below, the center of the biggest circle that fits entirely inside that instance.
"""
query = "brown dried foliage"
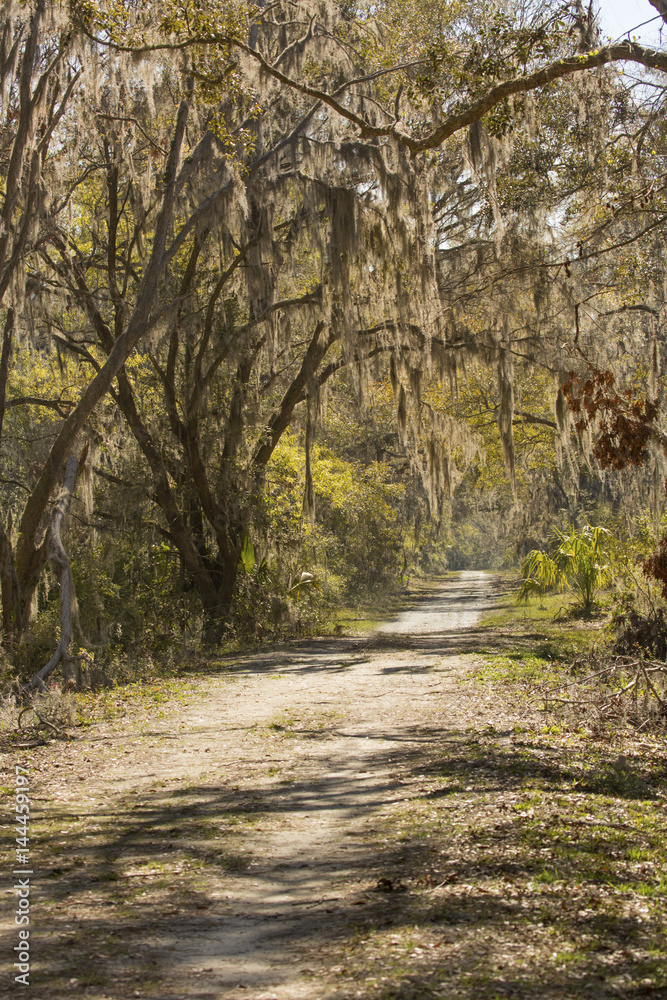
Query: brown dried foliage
(624, 420)
(623, 417)
(656, 565)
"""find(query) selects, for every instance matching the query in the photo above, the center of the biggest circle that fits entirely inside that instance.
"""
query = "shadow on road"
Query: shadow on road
(136, 865)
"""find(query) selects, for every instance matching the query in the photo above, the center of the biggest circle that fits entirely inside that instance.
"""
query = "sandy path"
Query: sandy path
(310, 742)
(346, 819)
(316, 861)
(459, 606)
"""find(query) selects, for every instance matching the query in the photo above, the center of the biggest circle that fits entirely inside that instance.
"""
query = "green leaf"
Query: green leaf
(248, 555)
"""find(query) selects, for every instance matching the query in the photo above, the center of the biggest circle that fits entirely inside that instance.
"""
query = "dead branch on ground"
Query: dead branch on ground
(622, 690)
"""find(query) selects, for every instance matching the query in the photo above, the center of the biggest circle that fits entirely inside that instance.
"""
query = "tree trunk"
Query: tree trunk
(661, 7)
(9, 588)
(59, 560)
(7, 337)
(225, 572)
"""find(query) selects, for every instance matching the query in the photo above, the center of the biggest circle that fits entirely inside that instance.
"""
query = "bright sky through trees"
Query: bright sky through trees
(620, 16)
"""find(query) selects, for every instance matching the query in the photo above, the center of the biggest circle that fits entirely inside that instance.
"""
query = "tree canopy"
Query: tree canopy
(220, 224)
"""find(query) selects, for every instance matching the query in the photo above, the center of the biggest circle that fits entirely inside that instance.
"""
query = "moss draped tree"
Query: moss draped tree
(250, 199)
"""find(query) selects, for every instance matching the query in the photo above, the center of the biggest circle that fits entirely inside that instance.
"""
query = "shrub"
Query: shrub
(579, 561)
(641, 633)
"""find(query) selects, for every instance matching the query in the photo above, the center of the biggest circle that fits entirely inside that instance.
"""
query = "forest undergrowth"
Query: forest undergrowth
(534, 843)
(511, 851)
(535, 865)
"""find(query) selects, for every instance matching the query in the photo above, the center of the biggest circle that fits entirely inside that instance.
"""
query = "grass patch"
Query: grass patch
(304, 724)
(541, 871)
(543, 629)
(518, 669)
(117, 702)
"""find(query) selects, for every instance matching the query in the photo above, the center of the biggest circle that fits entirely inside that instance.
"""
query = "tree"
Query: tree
(314, 193)
(38, 82)
(46, 99)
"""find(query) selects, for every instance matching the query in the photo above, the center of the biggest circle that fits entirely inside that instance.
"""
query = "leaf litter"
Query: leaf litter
(392, 825)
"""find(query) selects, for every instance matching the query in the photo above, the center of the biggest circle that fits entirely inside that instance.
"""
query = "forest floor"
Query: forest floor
(375, 817)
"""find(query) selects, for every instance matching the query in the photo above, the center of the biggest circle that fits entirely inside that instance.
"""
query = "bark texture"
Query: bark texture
(60, 564)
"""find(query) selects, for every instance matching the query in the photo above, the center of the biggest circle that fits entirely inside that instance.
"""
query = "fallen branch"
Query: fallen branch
(23, 712)
(627, 688)
(653, 690)
(51, 725)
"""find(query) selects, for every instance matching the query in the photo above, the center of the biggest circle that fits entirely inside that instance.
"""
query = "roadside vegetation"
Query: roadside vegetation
(530, 859)
(263, 374)
(533, 863)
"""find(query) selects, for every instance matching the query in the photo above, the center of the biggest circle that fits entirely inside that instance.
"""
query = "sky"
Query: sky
(620, 16)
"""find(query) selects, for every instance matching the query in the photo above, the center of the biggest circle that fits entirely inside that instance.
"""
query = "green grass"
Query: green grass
(114, 703)
(543, 628)
(518, 668)
(548, 857)
(539, 659)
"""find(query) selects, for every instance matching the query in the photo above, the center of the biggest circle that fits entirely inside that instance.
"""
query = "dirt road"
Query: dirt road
(260, 832)
(457, 607)
(358, 717)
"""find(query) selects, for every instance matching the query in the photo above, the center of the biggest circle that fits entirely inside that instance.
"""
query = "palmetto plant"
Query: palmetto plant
(579, 561)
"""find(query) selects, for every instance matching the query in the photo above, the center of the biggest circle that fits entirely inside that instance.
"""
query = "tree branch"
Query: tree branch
(137, 327)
